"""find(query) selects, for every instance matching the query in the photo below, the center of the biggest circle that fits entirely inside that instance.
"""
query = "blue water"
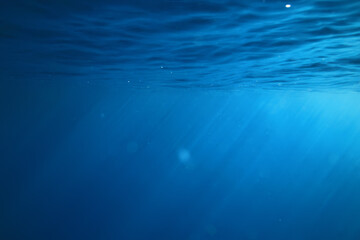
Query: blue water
(183, 120)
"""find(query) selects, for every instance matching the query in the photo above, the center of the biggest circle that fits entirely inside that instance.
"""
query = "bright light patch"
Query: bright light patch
(288, 5)
(183, 155)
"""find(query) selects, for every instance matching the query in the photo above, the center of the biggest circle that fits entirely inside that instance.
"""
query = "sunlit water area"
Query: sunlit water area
(224, 120)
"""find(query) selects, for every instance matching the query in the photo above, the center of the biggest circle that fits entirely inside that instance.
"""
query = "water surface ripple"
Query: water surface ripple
(182, 43)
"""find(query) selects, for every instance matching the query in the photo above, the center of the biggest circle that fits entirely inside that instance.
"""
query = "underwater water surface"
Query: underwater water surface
(180, 120)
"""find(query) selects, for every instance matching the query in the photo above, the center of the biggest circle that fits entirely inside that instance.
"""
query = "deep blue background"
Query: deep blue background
(105, 163)
(179, 120)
